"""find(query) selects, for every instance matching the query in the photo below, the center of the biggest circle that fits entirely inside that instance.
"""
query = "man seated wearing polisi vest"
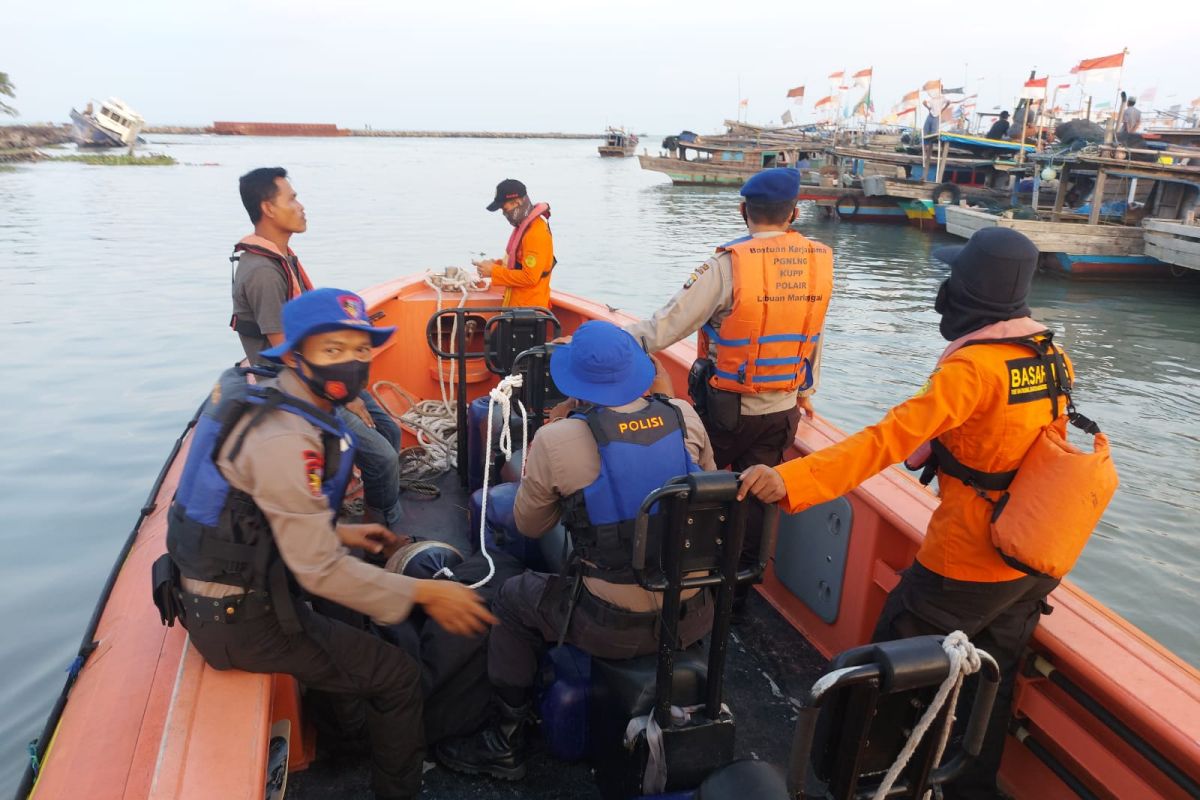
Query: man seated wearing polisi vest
(524, 272)
(253, 529)
(268, 274)
(591, 469)
(999, 383)
(759, 305)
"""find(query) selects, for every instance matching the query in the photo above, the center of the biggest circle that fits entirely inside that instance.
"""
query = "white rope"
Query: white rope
(452, 279)
(501, 395)
(964, 661)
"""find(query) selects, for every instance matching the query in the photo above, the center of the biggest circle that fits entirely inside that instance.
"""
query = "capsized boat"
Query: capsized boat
(1100, 709)
(114, 125)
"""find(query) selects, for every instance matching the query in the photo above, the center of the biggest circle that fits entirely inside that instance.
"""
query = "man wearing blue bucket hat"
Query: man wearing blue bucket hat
(591, 470)
(255, 515)
(758, 305)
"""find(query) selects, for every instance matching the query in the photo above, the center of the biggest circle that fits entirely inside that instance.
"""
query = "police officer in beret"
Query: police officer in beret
(759, 305)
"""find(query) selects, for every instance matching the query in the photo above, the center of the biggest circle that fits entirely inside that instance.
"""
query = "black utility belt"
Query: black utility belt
(614, 617)
(227, 610)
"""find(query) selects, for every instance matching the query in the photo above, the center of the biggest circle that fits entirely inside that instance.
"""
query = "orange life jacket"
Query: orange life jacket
(781, 289)
(297, 279)
(1035, 502)
(1050, 503)
(513, 249)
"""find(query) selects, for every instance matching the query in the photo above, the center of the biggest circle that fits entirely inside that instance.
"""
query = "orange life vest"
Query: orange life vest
(1052, 500)
(289, 267)
(513, 249)
(781, 289)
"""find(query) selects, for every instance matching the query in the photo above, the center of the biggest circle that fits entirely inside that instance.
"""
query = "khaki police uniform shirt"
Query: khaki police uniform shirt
(280, 465)
(707, 297)
(563, 459)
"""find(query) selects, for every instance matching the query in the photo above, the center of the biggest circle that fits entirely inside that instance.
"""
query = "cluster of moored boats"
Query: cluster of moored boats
(1095, 206)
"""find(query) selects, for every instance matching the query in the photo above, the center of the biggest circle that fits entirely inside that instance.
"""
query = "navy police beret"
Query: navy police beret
(773, 185)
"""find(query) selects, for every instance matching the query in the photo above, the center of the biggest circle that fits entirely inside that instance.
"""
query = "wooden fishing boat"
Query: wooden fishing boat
(1101, 711)
(692, 160)
(618, 143)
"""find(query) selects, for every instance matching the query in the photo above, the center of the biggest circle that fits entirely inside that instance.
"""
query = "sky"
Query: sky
(563, 66)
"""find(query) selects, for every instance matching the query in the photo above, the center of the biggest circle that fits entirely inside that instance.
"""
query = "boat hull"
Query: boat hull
(147, 719)
(87, 133)
(698, 173)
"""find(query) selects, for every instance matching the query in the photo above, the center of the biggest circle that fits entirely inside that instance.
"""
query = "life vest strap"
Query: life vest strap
(974, 478)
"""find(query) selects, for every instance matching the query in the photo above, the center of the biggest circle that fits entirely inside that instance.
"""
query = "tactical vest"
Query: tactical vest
(781, 289)
(217, 533)
(639, 452)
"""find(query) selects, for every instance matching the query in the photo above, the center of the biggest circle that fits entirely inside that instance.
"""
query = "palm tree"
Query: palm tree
(8, 90)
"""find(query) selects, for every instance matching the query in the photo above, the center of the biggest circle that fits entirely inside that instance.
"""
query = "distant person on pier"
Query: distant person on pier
(999, 128)
(1131, 120)
(267, 275)
(759, 306)
(528, 260)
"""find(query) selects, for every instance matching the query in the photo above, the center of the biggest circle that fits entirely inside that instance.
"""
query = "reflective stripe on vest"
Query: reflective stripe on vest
(639, 452)
(781, 289)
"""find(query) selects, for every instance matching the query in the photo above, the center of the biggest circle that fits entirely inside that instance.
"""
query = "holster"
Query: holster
(164, 579)
(720, 410)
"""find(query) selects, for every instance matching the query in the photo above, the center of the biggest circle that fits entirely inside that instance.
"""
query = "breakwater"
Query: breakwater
(21, 142)
(394, 134)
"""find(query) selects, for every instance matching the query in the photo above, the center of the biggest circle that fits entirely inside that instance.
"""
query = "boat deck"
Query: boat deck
(770, 667)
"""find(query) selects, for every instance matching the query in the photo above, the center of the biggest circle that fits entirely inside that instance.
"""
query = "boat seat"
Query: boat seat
(850, 732)
(206, 704)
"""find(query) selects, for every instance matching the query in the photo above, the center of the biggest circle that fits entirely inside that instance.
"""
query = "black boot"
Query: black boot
(497, 750)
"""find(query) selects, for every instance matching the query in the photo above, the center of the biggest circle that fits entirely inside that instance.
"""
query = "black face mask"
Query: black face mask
(338, 383)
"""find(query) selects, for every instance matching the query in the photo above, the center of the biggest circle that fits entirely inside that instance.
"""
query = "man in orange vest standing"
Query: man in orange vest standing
(524, 272)
(982, 408)
(759, 304)
(268, 274)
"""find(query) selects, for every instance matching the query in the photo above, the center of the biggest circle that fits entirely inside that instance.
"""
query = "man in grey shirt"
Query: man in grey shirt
(268, 275)
(1131, 119)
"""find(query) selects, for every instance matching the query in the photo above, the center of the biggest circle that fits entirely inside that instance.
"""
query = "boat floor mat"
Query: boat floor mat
(770, 668)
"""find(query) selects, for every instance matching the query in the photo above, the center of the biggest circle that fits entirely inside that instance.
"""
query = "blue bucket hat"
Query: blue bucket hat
(772, 185)
(321, 311)
(602, 365)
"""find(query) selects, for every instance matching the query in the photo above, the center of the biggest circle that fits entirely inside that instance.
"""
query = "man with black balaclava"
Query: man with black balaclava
(972, 422)
(255, 516)
(524, 272)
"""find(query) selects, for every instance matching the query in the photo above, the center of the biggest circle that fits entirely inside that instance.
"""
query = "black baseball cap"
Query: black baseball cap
(507, 189)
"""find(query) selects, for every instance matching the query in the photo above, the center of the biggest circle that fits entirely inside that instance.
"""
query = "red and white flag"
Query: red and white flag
(862, 77)
(933, 87)
(1099, 70)
(797, 93)
(1035, 89)
(824, 101)
(743, 103)
(911, 97)
(837, 76)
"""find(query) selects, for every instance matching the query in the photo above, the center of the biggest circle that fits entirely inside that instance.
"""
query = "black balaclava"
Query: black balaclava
(989, 281)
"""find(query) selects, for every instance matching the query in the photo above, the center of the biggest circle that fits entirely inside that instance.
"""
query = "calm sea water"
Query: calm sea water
(115, 302)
